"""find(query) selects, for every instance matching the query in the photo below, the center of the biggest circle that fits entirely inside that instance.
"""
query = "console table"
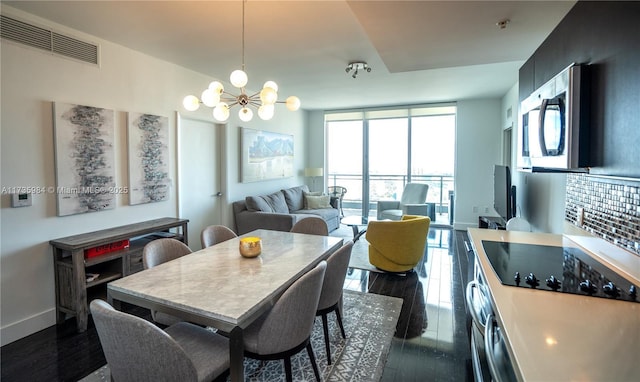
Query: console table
(74, 291)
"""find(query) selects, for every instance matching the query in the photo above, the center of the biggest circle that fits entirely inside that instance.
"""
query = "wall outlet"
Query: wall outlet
(474, 209)
(486, 210)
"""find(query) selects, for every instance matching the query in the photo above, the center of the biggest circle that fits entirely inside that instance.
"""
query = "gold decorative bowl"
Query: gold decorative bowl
(250, 246)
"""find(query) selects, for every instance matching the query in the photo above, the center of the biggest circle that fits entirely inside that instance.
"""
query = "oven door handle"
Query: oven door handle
(500, 371)
(475, 287)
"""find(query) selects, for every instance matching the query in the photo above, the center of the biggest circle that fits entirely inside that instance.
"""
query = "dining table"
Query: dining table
(219, 288)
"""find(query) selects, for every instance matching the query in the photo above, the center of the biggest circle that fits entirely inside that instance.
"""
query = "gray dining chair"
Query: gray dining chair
(311, 225)
(155, 253)
(286, 329)
(136, 350)
(215, 234)
(331, 295)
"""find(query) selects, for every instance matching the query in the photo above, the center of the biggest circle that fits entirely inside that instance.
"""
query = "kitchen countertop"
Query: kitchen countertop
(566, 337)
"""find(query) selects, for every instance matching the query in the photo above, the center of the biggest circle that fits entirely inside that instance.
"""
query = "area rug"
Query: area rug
(369, 321)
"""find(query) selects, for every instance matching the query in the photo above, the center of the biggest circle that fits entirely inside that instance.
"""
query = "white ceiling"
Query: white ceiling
(420, 51)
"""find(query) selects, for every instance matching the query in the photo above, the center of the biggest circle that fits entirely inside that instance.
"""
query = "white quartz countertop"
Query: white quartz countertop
(561, 336)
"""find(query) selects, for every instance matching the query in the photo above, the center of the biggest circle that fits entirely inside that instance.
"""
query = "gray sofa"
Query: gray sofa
(280, 210)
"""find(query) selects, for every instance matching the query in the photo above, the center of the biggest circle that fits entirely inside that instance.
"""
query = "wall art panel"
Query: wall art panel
(148, 141)
(84, 157)
(266, 155)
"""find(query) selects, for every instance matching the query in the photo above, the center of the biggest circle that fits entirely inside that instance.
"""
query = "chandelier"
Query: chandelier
(222, 101)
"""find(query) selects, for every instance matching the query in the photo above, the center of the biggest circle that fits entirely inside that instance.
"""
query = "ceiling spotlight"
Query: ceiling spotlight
(503, 23)
(356, 66)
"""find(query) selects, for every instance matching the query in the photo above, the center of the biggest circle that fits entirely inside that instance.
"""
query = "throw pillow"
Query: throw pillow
(276, 202)
(294, 197)
(306, 194)
(257, 203)
(318, 202)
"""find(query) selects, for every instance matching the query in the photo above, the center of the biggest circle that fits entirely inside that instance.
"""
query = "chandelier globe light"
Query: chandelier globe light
(221, 101)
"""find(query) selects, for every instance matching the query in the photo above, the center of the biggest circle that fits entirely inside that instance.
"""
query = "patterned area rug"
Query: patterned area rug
(369, 321)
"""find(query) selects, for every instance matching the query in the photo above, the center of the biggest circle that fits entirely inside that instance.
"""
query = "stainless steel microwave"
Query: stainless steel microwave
(554, 131)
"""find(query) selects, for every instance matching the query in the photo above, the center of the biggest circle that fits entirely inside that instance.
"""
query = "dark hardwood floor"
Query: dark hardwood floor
(431, 341)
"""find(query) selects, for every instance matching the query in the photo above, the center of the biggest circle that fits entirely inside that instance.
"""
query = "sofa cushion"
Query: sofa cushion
(294, 197)
(306, 194)
(318, 202)
(326, 213)
(276, 202)
(257, 203)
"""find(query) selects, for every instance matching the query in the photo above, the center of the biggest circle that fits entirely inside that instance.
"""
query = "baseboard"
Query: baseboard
(27, 326)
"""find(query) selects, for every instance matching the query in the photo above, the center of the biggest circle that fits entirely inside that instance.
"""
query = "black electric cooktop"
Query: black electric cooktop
(556, 269)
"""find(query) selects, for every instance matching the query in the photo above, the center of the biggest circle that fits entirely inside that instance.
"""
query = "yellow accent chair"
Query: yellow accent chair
(397, 245)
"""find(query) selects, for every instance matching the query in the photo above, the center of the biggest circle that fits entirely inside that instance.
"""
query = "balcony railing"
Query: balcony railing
(389, 187)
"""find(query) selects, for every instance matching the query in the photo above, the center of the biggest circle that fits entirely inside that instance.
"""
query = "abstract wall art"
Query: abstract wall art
(266, 155)
(148, 141)
(84, 158)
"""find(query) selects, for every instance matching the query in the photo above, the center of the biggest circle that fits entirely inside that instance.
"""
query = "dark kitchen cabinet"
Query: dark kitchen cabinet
(606, 36)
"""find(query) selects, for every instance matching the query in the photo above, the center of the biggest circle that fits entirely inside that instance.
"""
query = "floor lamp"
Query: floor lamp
(313, 173)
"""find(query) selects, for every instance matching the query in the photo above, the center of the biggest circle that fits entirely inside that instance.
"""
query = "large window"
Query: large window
(374, 153)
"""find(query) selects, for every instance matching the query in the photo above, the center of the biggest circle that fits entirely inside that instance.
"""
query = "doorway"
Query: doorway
(199, 175)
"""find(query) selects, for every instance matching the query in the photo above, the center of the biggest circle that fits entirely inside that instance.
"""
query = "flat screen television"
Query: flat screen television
(504, 194)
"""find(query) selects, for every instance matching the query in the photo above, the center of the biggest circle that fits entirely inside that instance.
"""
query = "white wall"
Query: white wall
(316, 147)
(478, 148)
(125, 81)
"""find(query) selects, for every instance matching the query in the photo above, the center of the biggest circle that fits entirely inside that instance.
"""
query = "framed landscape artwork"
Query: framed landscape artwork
(84, 158)
(148, 146)
(265, 155)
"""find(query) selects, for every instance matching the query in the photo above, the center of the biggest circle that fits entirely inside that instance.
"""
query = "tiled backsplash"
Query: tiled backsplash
(611, 208)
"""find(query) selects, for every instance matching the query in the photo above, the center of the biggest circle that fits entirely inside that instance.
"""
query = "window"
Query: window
(375, 152)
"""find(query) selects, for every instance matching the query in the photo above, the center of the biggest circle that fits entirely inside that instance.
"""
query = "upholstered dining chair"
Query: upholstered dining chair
(311, 225)
(337, 192)
(286, 329)
(155, 253)
(412, 202)
(331, 295)
(397, 246)
(137, 350)
(215, 234)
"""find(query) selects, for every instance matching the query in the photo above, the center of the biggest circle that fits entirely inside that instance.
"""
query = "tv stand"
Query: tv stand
(492, 222)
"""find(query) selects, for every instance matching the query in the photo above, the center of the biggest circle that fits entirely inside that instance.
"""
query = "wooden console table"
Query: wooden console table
(73, 291)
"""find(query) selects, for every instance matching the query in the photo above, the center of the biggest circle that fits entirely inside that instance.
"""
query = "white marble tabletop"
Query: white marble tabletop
(566, 337)
(218, 287)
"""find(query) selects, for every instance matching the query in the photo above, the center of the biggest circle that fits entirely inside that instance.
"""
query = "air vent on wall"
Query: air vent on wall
(37, 37)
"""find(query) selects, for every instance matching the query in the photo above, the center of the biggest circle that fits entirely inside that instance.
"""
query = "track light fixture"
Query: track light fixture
(502, 24)
(356, 66)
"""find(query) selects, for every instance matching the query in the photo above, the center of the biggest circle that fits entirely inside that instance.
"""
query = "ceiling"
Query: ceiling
(419, 51)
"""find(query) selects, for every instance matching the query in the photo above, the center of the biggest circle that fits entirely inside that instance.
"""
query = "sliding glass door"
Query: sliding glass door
(344, 162)
(375, 153)
(388, 154)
